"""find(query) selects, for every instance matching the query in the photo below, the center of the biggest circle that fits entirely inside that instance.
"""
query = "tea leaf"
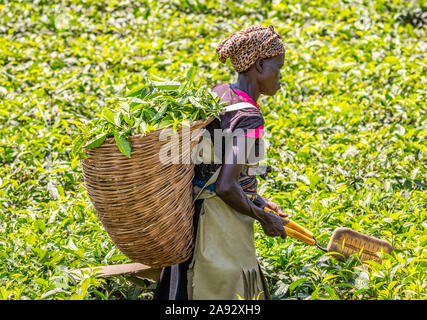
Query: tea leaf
(123, 144)
(96, 141)
(108, 115)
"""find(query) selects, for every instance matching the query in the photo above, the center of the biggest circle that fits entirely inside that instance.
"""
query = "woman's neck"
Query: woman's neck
(248, 85)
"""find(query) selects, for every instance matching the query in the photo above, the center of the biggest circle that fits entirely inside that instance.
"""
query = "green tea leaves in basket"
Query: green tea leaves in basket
(156, 104)
(97, 141)
(123, 144)
(108, 115)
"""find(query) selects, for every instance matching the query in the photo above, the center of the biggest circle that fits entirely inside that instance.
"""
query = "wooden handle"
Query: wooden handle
(299, 236)
(300, 229)
(294, 230)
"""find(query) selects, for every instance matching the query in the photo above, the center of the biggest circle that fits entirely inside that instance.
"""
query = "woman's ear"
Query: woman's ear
(259, 64)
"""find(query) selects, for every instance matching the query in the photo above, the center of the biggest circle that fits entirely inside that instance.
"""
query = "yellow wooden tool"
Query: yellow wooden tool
(343, 243)
(294, 230)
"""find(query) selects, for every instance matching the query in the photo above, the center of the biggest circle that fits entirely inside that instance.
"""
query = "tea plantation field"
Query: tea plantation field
(347, 134)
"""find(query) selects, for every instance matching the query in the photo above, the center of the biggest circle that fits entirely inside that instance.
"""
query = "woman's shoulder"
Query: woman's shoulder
(221, 87)
(225, 93)
(245, 118)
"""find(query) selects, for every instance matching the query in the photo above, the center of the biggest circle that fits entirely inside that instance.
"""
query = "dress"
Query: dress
(224, 264)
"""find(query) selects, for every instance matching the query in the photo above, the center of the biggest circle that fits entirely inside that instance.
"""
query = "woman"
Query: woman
(224, 263)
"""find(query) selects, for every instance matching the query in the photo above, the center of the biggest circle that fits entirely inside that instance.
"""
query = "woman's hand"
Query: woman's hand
(275, 207)
(272, 224)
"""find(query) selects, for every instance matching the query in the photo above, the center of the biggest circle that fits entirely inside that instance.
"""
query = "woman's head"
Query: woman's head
(257, 51)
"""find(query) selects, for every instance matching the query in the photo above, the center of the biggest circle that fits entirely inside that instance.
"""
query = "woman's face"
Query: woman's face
(269, 74)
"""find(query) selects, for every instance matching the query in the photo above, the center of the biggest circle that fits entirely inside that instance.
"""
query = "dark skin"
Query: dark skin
(263, 77)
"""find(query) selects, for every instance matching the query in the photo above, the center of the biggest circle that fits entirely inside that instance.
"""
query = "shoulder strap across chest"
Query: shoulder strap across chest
(237, 106)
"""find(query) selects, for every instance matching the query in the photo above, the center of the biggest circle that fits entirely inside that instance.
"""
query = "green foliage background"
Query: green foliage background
(347, 134)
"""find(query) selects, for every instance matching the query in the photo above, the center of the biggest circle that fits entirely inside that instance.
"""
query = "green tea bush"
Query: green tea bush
(347, 134)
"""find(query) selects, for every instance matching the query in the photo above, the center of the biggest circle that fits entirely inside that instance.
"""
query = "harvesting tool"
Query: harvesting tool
(343, 243)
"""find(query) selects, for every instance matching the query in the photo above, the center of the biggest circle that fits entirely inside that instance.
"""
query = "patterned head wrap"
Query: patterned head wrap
(248, 45)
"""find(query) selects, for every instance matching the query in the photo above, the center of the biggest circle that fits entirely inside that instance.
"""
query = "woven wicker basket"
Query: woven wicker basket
(144, 205)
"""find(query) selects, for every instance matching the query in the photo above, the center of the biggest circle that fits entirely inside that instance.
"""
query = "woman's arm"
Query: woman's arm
(227, 187)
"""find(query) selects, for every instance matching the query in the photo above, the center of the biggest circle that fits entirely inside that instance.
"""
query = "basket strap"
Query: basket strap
(211, 180)
(237, 106)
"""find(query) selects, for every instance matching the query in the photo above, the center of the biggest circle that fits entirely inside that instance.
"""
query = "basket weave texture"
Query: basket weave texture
(145, 206)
